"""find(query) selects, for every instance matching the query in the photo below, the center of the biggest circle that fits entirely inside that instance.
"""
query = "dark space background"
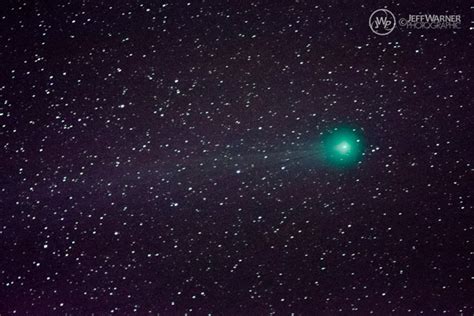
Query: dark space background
(151, 159)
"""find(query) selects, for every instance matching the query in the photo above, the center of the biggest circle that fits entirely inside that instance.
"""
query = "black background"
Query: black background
(124, 125)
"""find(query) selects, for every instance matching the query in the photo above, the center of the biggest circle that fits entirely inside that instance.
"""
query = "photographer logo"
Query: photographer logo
(382, 22)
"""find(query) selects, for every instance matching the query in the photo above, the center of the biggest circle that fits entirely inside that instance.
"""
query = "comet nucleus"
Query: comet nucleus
(342, 147)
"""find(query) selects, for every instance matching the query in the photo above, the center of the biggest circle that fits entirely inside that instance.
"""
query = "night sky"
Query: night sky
(171, 158)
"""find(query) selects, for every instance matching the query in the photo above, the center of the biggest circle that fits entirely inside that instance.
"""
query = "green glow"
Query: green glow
(342, 147)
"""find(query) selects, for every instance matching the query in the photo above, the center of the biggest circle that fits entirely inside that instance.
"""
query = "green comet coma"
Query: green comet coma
(342, 147)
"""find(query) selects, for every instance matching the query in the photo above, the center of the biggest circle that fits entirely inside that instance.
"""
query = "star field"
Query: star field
(170, 157)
